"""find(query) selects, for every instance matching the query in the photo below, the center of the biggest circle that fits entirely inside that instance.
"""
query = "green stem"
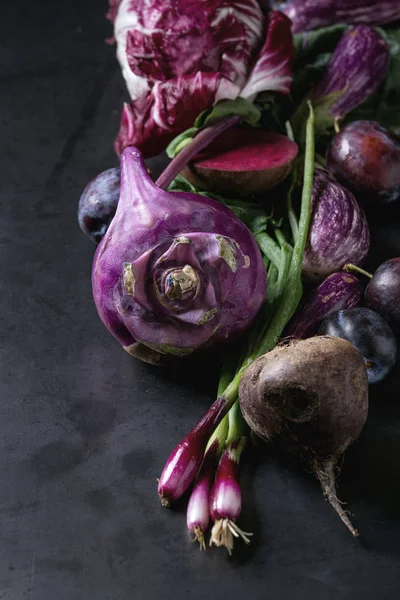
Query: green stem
(281, 238)
(236, 424)
(350, 267)
(268, 247)
(293, 290)
(289, 131)
(227, 373)
(236, 448)
(320, 160)
(219, 435)
(286, 256)
(293, 222)
(305, 214)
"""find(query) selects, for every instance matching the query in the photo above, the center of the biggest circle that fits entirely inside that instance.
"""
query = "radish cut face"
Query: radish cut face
(243, 162)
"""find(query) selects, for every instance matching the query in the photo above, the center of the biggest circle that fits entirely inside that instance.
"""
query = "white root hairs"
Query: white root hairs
(224, 531)
(199, 537)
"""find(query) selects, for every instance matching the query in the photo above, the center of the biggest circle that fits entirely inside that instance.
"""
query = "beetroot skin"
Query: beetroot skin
(309, 397)
(243, 162)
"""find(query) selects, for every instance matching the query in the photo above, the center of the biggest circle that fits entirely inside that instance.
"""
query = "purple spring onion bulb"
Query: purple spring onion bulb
(226, 497)
(313, 14)
(175, 271)
(338, 291)
(357, 67)
(198, 511)
(338, 233)
(185, 460)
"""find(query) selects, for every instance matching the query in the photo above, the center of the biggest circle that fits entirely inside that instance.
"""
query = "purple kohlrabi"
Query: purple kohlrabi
(180, 57)
(338, 233)
(175, 271)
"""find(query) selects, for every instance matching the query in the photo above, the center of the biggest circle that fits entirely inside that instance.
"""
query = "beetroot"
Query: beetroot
(310, 397)
(243, 162)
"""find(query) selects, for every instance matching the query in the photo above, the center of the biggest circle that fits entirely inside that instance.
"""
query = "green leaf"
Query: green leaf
(225, 108)
(181, 141)
(310, 45)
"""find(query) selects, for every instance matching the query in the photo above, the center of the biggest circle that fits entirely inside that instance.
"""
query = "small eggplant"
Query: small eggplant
(338, 233)
(338, 291)
(357, 67)
(312, 14)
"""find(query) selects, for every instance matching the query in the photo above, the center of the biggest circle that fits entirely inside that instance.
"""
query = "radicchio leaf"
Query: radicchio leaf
(184, 37)
(273, 68)
(154, 119)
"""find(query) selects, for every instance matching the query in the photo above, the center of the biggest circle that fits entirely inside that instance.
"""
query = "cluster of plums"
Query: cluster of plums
(371, 328)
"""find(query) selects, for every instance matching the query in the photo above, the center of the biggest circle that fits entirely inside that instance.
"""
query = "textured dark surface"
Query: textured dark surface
(85, 429)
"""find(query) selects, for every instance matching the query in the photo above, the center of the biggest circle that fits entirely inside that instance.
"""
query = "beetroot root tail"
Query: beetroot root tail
(326, 475)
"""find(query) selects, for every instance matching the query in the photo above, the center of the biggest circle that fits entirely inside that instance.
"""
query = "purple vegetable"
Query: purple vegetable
(312, 14)
(182, 59)
(154, 119)
(310, 398)
(338, 291)
(339, 232)
(98, 203)
(157, 41)
(357, 67)
(369, 333)
(185, 460)
(365, 157)
(174, 271)
(198, 512)
(382, 293)
(226, 498)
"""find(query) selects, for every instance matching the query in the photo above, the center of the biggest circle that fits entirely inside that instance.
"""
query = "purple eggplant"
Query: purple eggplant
(175, 271)
(338, 291)
(357, 67)
(312, 14)
(338, 233)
